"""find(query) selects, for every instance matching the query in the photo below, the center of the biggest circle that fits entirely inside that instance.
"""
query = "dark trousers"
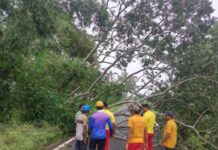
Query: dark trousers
(166, 148)
(80, 145)
(100, 143)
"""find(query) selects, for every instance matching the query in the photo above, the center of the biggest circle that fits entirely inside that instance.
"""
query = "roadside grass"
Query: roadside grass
(27, 136)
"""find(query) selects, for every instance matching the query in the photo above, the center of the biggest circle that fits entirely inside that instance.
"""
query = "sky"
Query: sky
(215, 7)
(135, 66)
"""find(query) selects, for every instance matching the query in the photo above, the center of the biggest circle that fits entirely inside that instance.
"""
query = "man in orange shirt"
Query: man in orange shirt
(150, 119)
(170, 133)
(136, 130)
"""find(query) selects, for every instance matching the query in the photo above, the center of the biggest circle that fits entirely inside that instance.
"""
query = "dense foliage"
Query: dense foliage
(195, 101)
(40, 64)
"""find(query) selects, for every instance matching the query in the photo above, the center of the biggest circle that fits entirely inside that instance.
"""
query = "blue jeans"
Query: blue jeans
(80, 145)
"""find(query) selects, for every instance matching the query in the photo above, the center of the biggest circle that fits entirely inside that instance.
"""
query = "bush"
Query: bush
(41, 89)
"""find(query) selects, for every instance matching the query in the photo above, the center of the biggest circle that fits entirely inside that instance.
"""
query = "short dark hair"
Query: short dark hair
(145, 106)
(105, 104)
(99, 107)
(84, 111)
(137, 111)
(169, 113)
(81, 105)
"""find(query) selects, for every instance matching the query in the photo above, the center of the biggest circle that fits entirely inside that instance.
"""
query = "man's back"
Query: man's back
(98, 123)
(82, 120)
(138, 124)
(150, 118)
(77, 114)
(171, 129)
(111, 116)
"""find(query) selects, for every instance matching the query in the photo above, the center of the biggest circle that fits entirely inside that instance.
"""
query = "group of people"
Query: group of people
(141, 130)
(101, 127)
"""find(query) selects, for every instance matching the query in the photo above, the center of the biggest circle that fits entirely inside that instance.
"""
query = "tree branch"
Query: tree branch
(201, 115)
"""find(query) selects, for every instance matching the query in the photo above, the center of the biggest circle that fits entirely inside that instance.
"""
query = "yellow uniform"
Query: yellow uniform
(171, 129)
(111, 115)
(138, 125)
(150, 119)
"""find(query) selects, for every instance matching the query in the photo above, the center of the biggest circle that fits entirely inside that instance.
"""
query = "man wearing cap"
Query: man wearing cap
(112, 118)
(170, 132)
(150, 119)
(82, 129)
(136, 130)
(97, 125)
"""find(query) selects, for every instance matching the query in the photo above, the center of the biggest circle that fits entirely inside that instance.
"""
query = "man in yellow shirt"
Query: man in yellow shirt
(170, 133)
(136, 130)
(112, 118)
(150, 119)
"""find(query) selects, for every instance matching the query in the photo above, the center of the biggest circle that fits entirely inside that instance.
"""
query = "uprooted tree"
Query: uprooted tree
(176, 51)
(172, 42)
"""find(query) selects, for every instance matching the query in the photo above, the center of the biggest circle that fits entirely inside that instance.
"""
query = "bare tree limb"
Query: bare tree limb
(201, 115)
(141, 88)
(103, 74)
(157, 94)
(74, 91)
(93, 50)
(105, 34)
(198, 134)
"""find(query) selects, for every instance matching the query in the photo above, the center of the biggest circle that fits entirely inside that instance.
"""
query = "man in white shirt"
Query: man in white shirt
(82, 129)
(79, 112)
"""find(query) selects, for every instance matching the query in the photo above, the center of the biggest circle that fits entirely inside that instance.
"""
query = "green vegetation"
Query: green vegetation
(27, 136)
(198, 96)
(41, 52)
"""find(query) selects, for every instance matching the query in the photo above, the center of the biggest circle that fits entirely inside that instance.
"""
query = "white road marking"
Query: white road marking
(64, 144)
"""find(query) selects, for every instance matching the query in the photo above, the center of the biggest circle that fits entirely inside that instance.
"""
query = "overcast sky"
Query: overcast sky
(215, 6)
(135, 66)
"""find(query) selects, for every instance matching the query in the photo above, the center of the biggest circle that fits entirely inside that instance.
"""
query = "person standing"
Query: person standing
(82, 129)
(136, 130)
(97, 125)
(79, 112)
(112, 118)
(170, 132)
(150, 119)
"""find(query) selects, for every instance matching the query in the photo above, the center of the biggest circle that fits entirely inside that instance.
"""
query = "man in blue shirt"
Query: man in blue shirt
(97, 125)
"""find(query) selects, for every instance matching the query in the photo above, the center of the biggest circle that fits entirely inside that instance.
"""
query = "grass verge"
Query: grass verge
(27, 136)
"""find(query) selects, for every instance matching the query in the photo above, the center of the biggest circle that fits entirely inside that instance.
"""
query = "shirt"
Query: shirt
(97, 123)
(111, 115)
(150, 119)
(171, 129)
(77, 114)
(82, 120)
(138, 125)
